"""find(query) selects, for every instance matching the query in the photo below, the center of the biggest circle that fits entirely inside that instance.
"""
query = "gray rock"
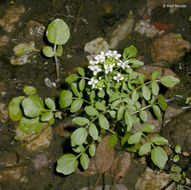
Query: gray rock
(11, 16)
(178, 131)
(121, 31)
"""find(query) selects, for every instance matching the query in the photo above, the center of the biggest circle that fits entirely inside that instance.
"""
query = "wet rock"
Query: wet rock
(3, 40)
(94, 47)
(169, 47)
(34, 30)
(11, 16)
(60, 130)
(121, 31)
(41, 161)
(3, 113)
(19, 60)
(150, 180)
(144, 27)
(107, 187)
(148, 69)
(178, 131)
(121, 165)
(37, 141)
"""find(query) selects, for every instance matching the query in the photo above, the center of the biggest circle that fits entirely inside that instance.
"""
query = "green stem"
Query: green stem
(82, 99)
(141, 109)
(82, 152)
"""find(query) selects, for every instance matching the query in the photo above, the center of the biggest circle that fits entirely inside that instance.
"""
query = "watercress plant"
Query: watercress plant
(109, 97)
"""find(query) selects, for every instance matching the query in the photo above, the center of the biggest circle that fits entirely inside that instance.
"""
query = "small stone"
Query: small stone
(121, 31)
(40, 161)
(11, 16)
(94, 47)
(19, 60)
(4, 40)
(169, 47)
(3, 113)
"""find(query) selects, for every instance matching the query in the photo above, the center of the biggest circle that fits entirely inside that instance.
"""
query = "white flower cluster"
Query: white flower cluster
(105, 62)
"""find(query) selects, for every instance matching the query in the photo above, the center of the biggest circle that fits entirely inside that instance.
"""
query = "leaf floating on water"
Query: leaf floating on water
(104, 156)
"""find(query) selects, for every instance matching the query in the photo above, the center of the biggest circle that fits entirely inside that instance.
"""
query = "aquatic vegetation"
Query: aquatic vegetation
(57, 34)
(112, 98)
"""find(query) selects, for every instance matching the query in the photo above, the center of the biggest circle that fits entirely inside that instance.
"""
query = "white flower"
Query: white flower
(95, 69)
(93, 82)
(108, 68)
(118, 77)
(123, 64)
(116, 55)
(100, 58)
(93, 62)
(109, 53)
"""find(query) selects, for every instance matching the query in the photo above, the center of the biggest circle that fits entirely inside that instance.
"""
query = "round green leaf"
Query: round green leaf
(162, 103)
(100, 106)
(67, 164)
(155, 74)
(128, 120)
(14, 110)
(78, 149)
(82, 84)
(92, 150)
(145, 149)
(71, 78)
(50, 103)
(81, 71)
(176, 158)
(146, 92)
(58, 32)
(143, 115)
(112, 114)
(112, 140)
(155, 88)
(29, 90)
(30, 126)
(159, 140)
(84, 160)
(129, 52)
(48, 51)
(80, 121)
(169, 81)
(156, 111)
(91, 111)
(79, 136)
(135, 138)
(103, 122)
(59, 51)
(33, 106)
(93, 131)
(76, 105)
(147, 128)
(178, 149)
(120, 113)
(65, 98)
(159, 157)
(47, 116)
(75, 90)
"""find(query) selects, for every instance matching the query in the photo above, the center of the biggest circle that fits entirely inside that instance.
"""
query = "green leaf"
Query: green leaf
(112, 140)
(59, 51)
(82, 84)
(80, 121)
(169, 81)
(50, 103)
(33, 106)
(14, 110)
(100, 106)
(81, 71)
(156, 111)
(30, 126)
(147, 128)
(65, 98)
(103, 122)
(101, 94)
(67, 164)
(178, 149)
(93, 131)
(155, 74)
(120, 113)
(84, 161)
(143, 115)
(129, 52)
(75, 90)
(115, 104)
(141, 78)
(159, 140)
(135, 138)
(154, 88)
(112, 114)
(91, 111)
(58, 32)
(79, 136)
(48, 51)
(145, 149)
(92, 150)
(128, 120)
(29, 90)
(72, 78)
(136, 63)
(135, 96)
(162, 103)
(146, 92)
(76, 105)
(47, 116)
(78, 148)
(159, 157)
(176, 158)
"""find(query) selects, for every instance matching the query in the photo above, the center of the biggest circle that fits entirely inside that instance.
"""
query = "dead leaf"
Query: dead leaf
(104, 156)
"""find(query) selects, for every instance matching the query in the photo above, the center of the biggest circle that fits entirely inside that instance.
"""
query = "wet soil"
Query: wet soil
(93, 21)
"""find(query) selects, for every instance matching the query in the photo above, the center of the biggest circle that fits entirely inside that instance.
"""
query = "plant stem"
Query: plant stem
(57, 64)
(82, 99)
(141, 109)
